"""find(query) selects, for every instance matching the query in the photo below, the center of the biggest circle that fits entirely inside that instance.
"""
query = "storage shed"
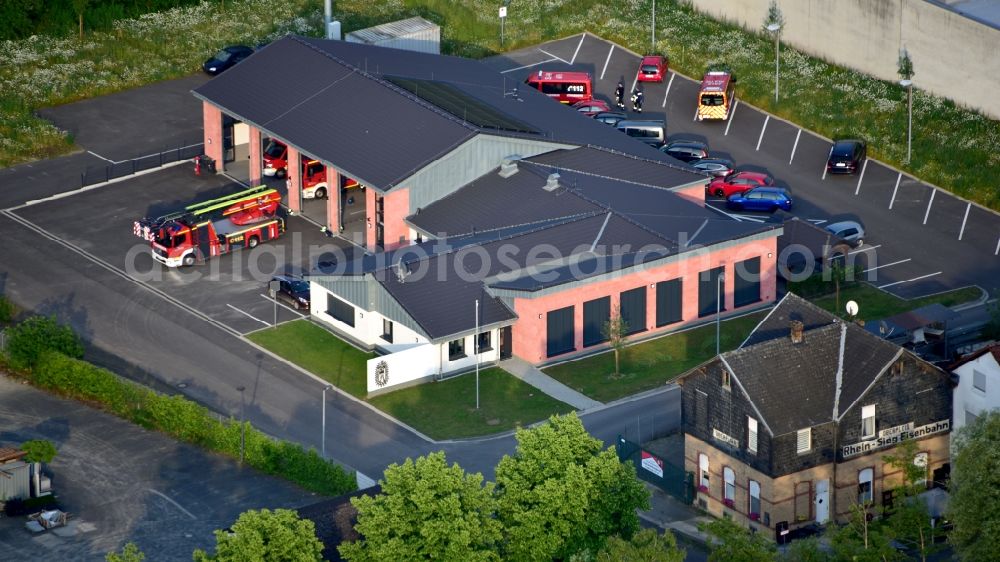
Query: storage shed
(14, 475)
(412, 34)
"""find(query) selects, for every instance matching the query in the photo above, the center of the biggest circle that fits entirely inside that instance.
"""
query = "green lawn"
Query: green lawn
(653, 363)
(320, 352)
(447, 409)
(442, 410)
(874, 304)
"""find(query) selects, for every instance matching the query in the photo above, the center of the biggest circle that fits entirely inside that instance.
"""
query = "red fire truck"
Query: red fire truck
(567, 87)
(214, 227)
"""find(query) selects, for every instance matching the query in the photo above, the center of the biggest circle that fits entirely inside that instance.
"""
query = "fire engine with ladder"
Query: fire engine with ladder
(214, 227)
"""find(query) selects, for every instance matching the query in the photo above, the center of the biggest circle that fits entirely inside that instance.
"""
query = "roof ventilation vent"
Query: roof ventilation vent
(402, 271)
(796, 331)
(553, 182)
(508, 166)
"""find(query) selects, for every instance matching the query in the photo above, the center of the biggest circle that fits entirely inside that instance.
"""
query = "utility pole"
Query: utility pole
(243, 425)
(718, 310)
(323, 438)
(475, 348)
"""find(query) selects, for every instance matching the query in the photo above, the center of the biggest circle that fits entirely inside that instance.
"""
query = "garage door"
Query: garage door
(560, 331)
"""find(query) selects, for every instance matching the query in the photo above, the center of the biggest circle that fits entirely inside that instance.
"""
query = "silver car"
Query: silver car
(849, 231)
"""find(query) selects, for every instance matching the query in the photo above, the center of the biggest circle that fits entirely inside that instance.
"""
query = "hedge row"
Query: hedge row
(191, 422)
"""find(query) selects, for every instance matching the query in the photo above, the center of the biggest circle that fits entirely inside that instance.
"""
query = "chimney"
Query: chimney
(508, 167)
(796, 331)
(553, 182)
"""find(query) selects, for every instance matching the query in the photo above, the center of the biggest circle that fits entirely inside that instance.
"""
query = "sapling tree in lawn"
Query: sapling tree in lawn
(615, 330)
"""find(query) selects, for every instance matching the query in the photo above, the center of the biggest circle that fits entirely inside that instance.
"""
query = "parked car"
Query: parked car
(652, 68)
(847, 156)
(226, 58)
(653, 133)
(686, 150)
(591, 107)
(718, 167)
(849, 231)
(292, 290)
(738, 182)
(761, 199)
(610, 117)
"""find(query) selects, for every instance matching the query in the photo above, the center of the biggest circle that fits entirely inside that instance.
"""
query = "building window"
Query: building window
(803, 440)
(484, 342)
(387, 330)
(560, 331)
(703, 474)
(970, 418)
(632, 305)
(751, 435)
(340, 310)
(754, 510)
(709, 291)
(979, 381)
(868, 422)
(456, 349)
(729, 492)
(865, 486)
(727, 382)
(669, 302)
(747, 284)
(595, 314)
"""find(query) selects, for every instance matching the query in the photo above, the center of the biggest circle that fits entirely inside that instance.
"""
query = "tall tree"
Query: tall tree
(864, 538)
(974, 507)
(80, 6)
(733, 543)
(265, 536)
(909, 518)
(427, 511)
(615, 330)
(130, 553)
(560, 493)
(645, 546)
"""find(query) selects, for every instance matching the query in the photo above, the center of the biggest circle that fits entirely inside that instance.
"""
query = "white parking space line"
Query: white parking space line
(997, 251)
(578, 45)
(929, 203)
(968, 207)
(864, 167)
(886, 265)
(667, 93)
(92, 153)
(824, 165)
(635, 81)
(247, 314)
(767, 118)
(750, 218)
(693, 117)
(281, 304)
(607, 60)
(794, 146)
(554, 57)
(859, 250)
(909, 280)
(895, 189)
(817, 222)
(526, 66)
(732, 114)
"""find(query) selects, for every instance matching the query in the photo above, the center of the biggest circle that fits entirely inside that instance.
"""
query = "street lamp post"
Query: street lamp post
(775, 28)
(908, 84)
(718, 310)
(243, 425)
(323, 437)
(652, 33)
(475, 351)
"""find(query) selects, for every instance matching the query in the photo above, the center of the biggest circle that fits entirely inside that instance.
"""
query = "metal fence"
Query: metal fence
(651, 468)
(113, 170)
(642, 429)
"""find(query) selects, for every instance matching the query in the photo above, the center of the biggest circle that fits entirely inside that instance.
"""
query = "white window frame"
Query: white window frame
(868, 421)
(703, 471)
(806, 435)
(751, 435)
(866, 476)
(976, 375)
(729, 487)
(753, 493)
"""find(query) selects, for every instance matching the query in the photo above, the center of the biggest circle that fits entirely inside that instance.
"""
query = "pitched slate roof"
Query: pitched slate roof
(795, 386)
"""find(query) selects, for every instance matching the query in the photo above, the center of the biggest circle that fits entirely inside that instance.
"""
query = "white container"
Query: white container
(413, 34)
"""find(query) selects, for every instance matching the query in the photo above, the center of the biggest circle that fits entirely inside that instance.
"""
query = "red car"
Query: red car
(738, 182)
(592, 107)
(652, 68)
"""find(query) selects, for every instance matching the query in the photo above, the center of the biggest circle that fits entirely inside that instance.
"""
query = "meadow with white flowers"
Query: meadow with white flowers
(953, 147)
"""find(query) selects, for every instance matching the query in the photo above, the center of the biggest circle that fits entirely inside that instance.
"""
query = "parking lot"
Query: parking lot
(229, 290)
(920, 240)
(122, 483)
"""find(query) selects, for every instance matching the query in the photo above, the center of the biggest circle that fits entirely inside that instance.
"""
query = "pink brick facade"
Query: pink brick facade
(695, 194)
(212, 122)
(294, 180)
(332, 199)
(370, 196)
(397, 208)
(256, 159)
(529, 334)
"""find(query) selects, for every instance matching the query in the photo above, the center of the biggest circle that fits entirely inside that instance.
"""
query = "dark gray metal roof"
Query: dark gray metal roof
(599, 161)
(370, 130)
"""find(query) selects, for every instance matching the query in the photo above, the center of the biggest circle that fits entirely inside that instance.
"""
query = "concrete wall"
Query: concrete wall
(970, 399)
(953, 56)
(367, 329)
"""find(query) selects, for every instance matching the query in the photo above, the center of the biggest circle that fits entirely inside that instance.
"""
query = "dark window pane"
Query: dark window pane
(595, 314)
(708, 290)
(560, 331)
(340, 310)
(633, 310)
(747, 282)
(668, 302)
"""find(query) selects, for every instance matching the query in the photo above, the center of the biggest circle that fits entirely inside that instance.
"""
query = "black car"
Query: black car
(718, 167)
(610, 117)
(847, 156)
(226, 58)
(686, 150)
(292, 290)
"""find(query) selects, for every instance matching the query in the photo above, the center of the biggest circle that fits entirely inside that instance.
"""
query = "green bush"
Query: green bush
(188, 421)
(7, 310)
(27, 341)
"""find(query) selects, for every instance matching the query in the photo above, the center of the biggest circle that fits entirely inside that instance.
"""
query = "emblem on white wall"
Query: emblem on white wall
(382, 373)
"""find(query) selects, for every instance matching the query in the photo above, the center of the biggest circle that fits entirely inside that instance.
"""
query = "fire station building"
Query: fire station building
(790, 429)
(495, 220)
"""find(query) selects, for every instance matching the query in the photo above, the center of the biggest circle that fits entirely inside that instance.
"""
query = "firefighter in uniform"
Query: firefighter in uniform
(620, 95)
(637, 100)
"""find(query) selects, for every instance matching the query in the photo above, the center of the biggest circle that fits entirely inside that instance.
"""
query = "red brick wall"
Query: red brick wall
(332, 200)
(397, 208)
(256, 158)
(370, 196)
(212, 122)
(294, 180)
(529, 334)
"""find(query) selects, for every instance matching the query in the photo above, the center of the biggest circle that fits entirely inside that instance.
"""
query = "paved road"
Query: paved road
(920, 240)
